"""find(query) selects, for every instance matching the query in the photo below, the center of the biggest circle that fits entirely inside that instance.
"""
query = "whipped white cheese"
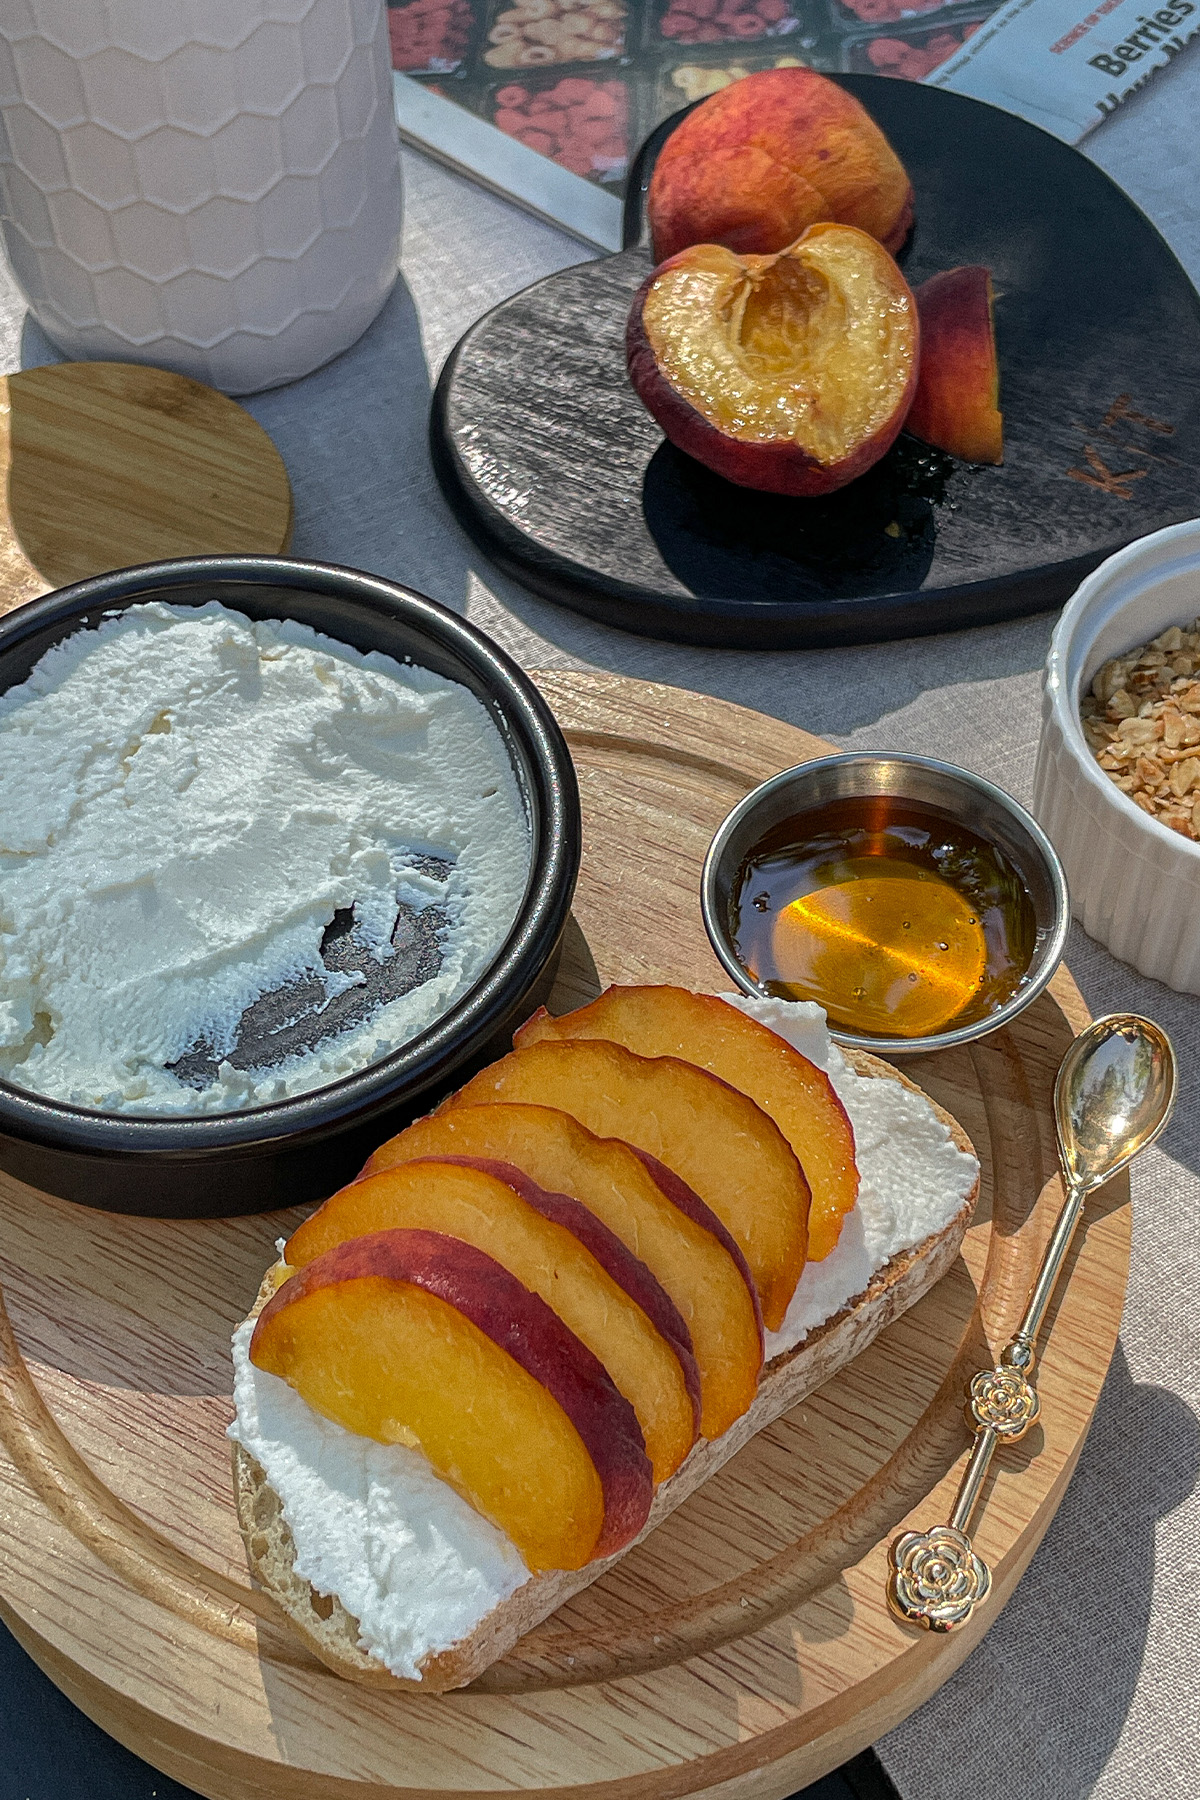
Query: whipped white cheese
(913, 1178)
(373, 1524)
(416, 1565)
(186, 800)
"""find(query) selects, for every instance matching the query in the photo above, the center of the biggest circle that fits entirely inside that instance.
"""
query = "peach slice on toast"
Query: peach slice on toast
(715, 1139)
(679, 1240)
(411, 1337)
(707, 1031)
(556, 1248)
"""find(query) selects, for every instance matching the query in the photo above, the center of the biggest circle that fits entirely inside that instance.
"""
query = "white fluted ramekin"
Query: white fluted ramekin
(1135, 883)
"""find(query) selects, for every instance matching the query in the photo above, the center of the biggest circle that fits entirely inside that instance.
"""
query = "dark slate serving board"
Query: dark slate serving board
(557, 471)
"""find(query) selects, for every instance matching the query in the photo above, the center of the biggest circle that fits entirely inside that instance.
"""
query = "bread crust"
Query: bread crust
(332, 1633)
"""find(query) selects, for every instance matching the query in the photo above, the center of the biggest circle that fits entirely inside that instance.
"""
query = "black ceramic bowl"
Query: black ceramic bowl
(299, 1149)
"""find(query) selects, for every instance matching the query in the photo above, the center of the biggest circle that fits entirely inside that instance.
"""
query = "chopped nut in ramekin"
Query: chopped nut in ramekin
(1142, 724)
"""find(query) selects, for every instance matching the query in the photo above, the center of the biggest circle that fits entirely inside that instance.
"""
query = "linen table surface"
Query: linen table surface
(1089, 1682)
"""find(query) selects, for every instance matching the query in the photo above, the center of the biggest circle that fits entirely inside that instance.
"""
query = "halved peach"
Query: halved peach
(955, 407)
(557, 1249)
(678, 1238)
(789, 373)
(769, 155)
(707, 1031)
(410, 1337)
(717, 1140)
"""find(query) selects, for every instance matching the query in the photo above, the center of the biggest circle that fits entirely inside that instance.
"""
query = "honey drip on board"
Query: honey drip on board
(897, 922)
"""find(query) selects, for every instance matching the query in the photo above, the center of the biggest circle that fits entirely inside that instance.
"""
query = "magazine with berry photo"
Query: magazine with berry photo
(547, 100)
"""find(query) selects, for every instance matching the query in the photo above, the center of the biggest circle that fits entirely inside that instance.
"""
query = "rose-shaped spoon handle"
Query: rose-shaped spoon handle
(1113, 1095)
(937, 1579)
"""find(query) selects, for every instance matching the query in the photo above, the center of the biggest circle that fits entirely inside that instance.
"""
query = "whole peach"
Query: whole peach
(757, 163)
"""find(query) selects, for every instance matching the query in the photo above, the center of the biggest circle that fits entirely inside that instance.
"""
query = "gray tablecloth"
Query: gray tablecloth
(1090, 1681)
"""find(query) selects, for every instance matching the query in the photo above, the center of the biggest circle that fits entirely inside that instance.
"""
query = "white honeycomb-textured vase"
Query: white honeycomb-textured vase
(209, 185)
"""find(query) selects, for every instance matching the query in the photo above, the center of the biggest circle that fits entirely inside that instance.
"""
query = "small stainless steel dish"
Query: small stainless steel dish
(219, 1164)
(952, 793)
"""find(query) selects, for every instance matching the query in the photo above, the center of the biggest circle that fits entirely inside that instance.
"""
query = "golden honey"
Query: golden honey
(898, 921)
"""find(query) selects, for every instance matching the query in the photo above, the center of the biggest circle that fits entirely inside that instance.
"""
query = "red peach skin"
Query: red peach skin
(754, 165)
(396, 1334)
(955, 406)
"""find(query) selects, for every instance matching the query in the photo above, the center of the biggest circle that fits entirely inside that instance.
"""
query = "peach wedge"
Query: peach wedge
(790, 373)
(707, 1031)
(401, 1335)
(956, 405)
(715, 1139)
(680, 1241)
(555, 1248)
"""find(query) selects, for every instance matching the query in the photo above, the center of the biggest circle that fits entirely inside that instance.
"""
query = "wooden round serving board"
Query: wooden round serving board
(105, 465)
(746, 1645)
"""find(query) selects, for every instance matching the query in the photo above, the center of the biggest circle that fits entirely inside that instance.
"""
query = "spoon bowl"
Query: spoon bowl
(1114, 1093)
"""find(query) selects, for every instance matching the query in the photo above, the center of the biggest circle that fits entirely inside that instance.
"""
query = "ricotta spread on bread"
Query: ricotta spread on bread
(411, 1561)
(912, 1176)
(403, 1552)
(187, 799)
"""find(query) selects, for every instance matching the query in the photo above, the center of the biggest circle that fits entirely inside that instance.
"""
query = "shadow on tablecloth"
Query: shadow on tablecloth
(1057, 1673)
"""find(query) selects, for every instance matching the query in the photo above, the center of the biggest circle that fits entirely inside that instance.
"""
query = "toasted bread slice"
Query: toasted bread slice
(332, 1634)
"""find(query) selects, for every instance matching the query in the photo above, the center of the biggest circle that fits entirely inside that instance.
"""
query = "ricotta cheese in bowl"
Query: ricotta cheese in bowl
(239, 861)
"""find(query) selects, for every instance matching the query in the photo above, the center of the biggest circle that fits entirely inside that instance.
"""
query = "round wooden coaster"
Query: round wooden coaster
(105, 465)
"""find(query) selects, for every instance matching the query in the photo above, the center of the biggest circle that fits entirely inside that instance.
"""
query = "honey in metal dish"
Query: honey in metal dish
(896, 920)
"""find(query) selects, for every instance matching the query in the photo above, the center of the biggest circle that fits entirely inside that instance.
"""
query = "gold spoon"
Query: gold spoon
(1113, 1095)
